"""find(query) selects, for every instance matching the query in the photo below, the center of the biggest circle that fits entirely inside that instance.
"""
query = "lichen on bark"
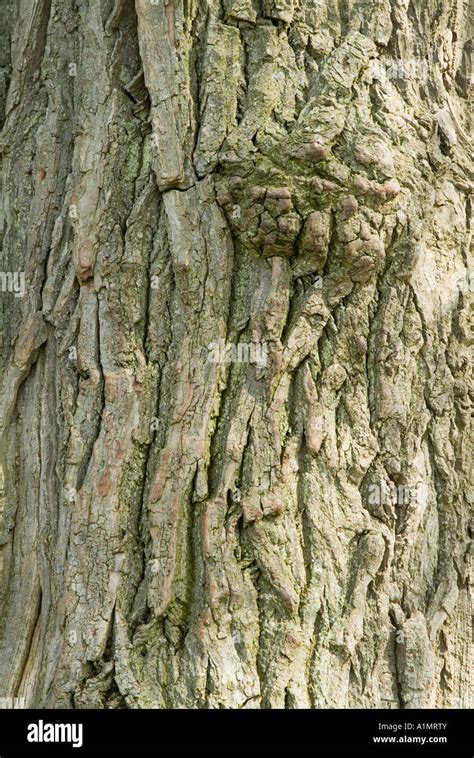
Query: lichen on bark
(177, 531)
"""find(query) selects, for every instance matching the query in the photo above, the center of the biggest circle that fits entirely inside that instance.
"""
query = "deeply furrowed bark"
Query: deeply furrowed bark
(292, 175)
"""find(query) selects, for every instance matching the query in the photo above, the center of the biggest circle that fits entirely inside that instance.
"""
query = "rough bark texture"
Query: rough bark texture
(177, 531)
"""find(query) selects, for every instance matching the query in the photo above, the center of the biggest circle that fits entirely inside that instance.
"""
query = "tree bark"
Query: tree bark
(235, 393)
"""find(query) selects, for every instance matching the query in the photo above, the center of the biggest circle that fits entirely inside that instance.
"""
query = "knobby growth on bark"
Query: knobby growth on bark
(284, 183)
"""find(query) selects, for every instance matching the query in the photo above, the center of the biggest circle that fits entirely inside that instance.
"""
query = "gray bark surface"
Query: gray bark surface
(292, 176)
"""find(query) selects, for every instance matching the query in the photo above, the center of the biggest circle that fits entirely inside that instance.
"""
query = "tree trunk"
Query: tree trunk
(235, 353)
